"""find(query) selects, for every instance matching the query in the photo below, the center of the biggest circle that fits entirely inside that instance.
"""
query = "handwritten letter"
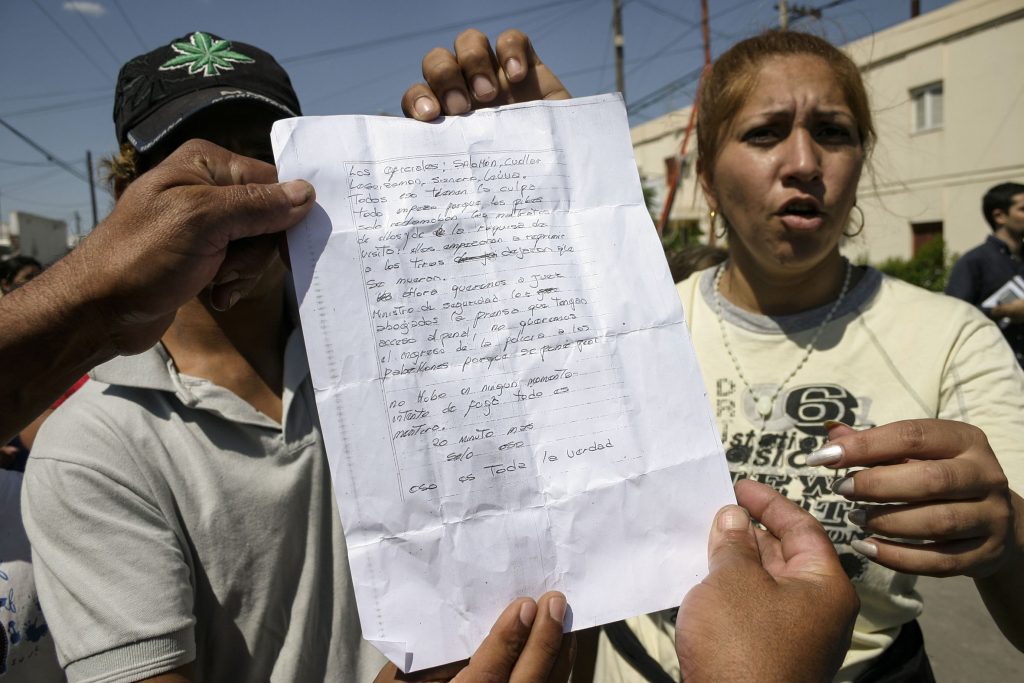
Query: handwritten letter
(508, 395)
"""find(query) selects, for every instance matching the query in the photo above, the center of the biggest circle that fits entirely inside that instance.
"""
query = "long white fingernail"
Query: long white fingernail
(826, 455)
(857, 516)
(865, 548)
(843, 486)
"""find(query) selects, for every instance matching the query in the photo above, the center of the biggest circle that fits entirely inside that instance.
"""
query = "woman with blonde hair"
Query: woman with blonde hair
(811, 362)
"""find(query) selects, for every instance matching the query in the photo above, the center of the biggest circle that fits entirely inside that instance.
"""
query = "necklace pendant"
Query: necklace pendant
(764, 406)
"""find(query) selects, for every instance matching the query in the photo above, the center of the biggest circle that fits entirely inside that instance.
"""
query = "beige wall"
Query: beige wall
(976, 48)
(652, 143)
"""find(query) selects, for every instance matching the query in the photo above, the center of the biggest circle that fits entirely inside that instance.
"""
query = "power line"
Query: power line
(18, 162)
(99, 38)
(55, 93)
(49, 157)
(120, 10)
(54, 205)
(672, 15)
(380, 42)
(33, 181)
(664, 91)
(62, 106)
(72, 40)
(691, 23)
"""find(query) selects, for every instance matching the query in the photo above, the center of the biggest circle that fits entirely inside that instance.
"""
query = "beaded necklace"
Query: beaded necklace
(764, 403)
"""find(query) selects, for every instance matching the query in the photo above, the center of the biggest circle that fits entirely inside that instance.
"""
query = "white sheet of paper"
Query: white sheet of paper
(508, 394)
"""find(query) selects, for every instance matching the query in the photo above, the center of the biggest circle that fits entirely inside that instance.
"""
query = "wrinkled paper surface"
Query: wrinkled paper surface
(508, 394)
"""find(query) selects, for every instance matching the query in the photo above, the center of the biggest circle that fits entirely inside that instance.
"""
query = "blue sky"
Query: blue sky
(61, 59)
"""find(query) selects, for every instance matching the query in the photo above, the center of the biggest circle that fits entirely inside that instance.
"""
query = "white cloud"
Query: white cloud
(92, 9)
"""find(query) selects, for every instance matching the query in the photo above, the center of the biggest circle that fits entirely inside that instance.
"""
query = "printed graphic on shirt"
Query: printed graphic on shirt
(21, 629)
(774, 451)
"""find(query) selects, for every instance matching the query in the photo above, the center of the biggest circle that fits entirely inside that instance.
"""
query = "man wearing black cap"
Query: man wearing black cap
(180, 506)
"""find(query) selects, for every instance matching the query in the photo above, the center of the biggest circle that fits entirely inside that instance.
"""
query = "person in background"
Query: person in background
(16, 271)
(810, 361)
(27, 651)
(982, 271)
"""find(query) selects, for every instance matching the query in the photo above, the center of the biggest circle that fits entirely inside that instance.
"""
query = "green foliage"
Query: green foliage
(679, 235)
(929, 268)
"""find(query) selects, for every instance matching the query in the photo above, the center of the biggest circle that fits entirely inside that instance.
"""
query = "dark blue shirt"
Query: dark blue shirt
(979, 273)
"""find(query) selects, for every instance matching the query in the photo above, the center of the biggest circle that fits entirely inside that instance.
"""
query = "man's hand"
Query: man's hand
(776, 604)
(202, 216)
(1013, 310)
(477, 76)
(525, 645)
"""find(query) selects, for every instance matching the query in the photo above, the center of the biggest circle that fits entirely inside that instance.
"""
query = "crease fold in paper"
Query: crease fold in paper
(507, 392)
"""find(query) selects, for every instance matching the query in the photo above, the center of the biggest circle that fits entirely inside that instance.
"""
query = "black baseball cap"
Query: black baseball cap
(158, 91)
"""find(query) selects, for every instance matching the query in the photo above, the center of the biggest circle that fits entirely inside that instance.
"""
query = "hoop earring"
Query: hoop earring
(712, 214)
(860, 226)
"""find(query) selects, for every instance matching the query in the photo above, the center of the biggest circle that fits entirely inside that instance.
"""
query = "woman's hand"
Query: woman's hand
(939, 489)
(477, 76)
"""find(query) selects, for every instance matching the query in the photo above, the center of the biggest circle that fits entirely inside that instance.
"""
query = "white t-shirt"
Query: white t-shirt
(26, 646)
(892, 352)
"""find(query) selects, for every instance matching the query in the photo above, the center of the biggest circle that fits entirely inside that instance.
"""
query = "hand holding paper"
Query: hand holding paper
(469, 77)
(508, 395)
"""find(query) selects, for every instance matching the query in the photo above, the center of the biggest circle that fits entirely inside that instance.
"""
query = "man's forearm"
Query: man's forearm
(1003, 592)
(51, 333)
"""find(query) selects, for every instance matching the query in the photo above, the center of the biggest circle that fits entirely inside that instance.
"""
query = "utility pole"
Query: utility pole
(783, 15)
(677, 173)
(915, 8)
(620, 78)
(78, 226)
(92, 185)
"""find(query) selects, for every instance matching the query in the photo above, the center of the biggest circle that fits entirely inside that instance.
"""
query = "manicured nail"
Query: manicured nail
(482, 87)
(857, 516)
(556, 606)
(865, 548)
(843, 486)
(298, 191)
(733, 518)
(425, 107)
(527, 613)
(826, 455)
(455, 102)
(832, 424)
(235, 296)
(513, 69)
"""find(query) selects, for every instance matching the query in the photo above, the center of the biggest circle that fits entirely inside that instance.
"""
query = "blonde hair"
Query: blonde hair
(121, 169)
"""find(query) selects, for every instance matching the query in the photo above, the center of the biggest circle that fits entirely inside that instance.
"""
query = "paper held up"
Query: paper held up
(509, 398)
(1012, 290)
